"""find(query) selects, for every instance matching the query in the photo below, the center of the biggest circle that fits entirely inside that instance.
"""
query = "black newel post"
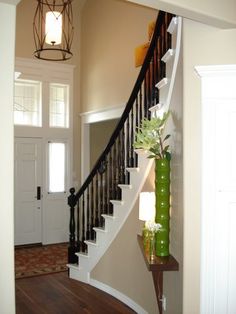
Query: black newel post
(72, 249)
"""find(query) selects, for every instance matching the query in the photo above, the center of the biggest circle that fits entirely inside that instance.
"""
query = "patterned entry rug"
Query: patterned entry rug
(40, 260)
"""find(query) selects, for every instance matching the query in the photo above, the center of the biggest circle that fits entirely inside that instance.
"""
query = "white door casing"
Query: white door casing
(28, 178)
(86, 119)
(218, 243)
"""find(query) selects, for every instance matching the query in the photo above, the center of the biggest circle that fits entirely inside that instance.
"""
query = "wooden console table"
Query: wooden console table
(157, 266)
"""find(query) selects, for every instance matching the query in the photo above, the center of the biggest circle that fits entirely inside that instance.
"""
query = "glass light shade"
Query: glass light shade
(147, 206)
(53, 28)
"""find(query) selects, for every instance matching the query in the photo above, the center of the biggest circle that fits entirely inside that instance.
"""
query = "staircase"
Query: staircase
(101, 206)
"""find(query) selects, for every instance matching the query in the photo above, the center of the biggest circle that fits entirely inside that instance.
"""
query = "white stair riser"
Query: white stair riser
(101, 236)
(91, 249)
(79, 275)
(172, 26)
(118, 210)
(168, 56)
(162, 83)
(125, 193)
(164, 92)
(109, 224)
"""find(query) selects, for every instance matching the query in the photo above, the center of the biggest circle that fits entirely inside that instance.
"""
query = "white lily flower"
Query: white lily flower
(152, 226)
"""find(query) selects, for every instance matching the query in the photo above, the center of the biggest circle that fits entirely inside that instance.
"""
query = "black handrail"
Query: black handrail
(109, 170)
(129, 105)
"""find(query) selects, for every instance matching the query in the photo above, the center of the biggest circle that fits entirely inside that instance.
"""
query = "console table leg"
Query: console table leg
(158, 283)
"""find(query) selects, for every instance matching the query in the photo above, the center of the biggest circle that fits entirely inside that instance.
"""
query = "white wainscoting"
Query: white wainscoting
(218, 243)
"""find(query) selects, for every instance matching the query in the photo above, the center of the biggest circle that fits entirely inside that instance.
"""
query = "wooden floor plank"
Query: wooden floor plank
(57, 294)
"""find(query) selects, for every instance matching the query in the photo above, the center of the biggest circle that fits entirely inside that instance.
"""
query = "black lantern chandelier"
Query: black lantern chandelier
(53, 30)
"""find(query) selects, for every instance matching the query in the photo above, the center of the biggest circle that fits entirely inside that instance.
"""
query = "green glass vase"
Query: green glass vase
(162, 191)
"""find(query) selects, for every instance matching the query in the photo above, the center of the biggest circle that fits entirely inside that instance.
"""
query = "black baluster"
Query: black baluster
(158, 60)
(101, 201)
(127, 142)
(132, 138)
(118, 191)
(119, 159)
(136, 113)
(127, 145)
(162, 51)
(88, 235)
(156, 78)
(165, 46)
(155, 64)
(123, 171)
(169, 18)
(106, 189)
(153, 95)
(83, 225)
(136, 128)
(140, 105)
(110, 206)
(114, 172)
(96, 202)
(117, 169)
(92, 211)
(145, 96)
(148, 91)
(73, 248)
(79, 223)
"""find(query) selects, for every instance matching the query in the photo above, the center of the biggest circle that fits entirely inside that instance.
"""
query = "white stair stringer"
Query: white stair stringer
(171, 58)
(113, 224)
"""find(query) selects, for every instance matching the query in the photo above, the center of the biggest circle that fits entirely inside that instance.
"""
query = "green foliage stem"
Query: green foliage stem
(149, 137)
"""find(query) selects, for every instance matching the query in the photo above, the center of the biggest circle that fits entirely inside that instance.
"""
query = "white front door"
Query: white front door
(28, 185)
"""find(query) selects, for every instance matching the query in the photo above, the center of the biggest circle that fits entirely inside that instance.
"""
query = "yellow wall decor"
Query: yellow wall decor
(140, 53)
(151, 27)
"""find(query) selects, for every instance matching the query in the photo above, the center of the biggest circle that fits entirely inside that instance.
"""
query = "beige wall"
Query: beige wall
(111, 29)
(123, 267)
(100, 134)
(202, 45)
(212, 12)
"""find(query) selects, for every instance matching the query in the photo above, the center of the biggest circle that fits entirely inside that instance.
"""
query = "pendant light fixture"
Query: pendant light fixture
(53, 30)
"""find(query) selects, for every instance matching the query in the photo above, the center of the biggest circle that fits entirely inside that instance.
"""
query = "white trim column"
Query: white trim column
(7, 55)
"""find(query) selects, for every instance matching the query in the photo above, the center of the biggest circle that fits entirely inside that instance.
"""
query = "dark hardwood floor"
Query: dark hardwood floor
(57, 294)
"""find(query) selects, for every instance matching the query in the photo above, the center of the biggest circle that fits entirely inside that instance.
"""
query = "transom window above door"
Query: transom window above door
(28, 103)
(41, 104)
(59, 106)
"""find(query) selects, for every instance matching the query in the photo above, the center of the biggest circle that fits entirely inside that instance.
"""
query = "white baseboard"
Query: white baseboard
(118, 295)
